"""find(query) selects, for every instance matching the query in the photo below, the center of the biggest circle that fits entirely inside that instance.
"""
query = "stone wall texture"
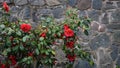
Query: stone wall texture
(104, 46)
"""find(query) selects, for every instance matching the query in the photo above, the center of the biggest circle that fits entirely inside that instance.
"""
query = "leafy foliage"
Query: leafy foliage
(21, 47)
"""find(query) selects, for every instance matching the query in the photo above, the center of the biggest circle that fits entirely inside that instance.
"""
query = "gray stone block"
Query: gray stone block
(115, 16)
(58, 12)
(52, 2)
(94, 14)
(105, 19)
(101, 40)
(83, 4)
(114, 26)
(97, 4)
(83, 64)
(20, 2)
(37, 2)
(116, 37)
(72, 2)
(114, 53)
(109, 5)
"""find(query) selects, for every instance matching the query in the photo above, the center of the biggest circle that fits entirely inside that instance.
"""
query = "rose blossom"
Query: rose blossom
(71, 58)
(2, 66)
(68, 32)
(70, 44)
(25, 27)
(6, 7)
(43, 34)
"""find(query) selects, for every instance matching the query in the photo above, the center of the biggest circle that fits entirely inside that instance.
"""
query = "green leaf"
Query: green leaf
(91, 62)
(39, 46)
(22, 47)
(2, 26)
(50, 61)
(24, 59)
(41, 38)
(15, 48)
(18, 33)
(25, 38)
(86, 32)
(53, 52)
(37, 51)
(46, 52)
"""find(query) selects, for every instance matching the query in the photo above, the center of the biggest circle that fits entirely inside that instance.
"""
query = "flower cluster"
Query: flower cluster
(22, 45)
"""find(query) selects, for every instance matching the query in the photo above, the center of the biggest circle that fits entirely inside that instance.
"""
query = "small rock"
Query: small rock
(37, 2)
(83, 4)
(20, 2)
(72, 2)
(97, 4)
(113, 26)
(114, 52)
(94, 25)
(25, 13)
(52, 2)
(118, 61)
(109, 5)
(115, 16)
(105, 19)
(116, 37)
(101, 28)
(94, 14)
(82, 64)
(58, 12)
(118, 4)
(101, 40)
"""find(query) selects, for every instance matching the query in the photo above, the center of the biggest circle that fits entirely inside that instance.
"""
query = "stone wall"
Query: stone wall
(104, 46)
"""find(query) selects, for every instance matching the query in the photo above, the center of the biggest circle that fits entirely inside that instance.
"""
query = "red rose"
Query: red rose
(68, 32)
(2, 66)
(13, 62)
(25, 27)
(43, 35)
(71, 58)
(66, 26)
(6, 7)
(70, 44)
(30, 54)
(13, 59)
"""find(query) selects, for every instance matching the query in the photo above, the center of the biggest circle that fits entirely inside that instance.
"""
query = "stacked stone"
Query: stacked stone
(104, 46)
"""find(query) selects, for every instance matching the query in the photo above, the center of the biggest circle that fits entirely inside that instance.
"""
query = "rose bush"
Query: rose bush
(21, 45)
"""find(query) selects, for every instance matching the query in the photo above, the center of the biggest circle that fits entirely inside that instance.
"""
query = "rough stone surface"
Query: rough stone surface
(20, 2)
(114, 26)
(37, 2)
(58, 12)
(104, 59)
(94, 15)
(109, 5)
(102, 40)
(118, 4)
(114, 52)
(83, 4)
(97, 4)
(105, 19)
(25, 13)
(72, 2)
(118, 61)
(52, 2)
(116, 37)
(82, 64)
(116, 16)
